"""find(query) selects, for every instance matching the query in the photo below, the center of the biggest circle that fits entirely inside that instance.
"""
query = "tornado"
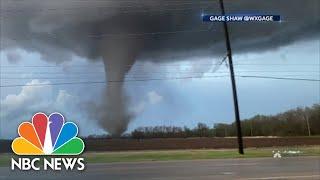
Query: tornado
(119, 56)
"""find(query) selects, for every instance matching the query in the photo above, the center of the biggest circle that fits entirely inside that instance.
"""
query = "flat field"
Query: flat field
(176, 155)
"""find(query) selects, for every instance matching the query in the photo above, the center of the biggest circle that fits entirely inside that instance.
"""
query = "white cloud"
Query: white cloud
(16, 108)
(64, 98)
(154, 97)
(139, 108)
(28, 98)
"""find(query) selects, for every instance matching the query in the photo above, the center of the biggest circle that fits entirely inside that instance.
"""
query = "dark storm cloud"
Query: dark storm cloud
(81, 27)
(122, 32)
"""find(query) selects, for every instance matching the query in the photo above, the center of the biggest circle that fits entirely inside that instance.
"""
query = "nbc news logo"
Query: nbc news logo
(47, 136)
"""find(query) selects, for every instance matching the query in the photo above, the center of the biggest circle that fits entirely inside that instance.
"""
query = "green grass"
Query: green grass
(169, 155)
(132, 156)
(5, 159)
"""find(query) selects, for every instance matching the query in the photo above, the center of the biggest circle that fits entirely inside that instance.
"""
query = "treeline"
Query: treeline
(296, 122)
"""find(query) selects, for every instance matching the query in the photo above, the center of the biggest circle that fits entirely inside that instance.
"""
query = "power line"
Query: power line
(159, 79)
(100, 12)
(125, 9)
(134, 76)
(119, 35)
(160, 72)
(172, 3)
(143, 65)
(280, 78)
(61, 76)
(147, 33)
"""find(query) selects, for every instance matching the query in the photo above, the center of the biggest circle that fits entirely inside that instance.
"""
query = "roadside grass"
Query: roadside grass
(172, 155)
(5, 159)
(169, 155)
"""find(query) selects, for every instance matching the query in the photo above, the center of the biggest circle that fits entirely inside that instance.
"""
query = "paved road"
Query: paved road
(259, 169)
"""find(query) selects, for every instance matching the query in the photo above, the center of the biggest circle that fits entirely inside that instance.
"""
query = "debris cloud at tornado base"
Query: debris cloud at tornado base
(123, 32)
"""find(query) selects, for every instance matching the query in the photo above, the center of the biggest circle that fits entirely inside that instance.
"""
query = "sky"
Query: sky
(49, 61)
(183, 102)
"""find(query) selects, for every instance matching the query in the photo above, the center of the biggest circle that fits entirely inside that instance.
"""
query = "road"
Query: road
(256, 168)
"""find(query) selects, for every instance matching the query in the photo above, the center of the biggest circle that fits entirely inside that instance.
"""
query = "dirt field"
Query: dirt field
(193, 143)
(184, 143)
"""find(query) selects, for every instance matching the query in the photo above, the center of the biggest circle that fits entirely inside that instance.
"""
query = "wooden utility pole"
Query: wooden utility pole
(233, 81)
(306, 117)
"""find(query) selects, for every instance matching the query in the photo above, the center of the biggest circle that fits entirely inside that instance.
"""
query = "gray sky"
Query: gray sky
(170, 102)
(287, 49)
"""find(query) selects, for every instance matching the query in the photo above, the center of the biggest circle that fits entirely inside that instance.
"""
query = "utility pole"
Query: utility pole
(233, 81)
(306, 117)
(251, 128)
(308, 125)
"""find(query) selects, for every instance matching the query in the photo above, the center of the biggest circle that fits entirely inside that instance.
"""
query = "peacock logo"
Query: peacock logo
(48, 136)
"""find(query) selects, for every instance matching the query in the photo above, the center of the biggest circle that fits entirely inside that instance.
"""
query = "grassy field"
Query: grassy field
(134, 156)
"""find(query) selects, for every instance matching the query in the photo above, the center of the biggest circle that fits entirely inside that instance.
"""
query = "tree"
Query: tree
(295, 122)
